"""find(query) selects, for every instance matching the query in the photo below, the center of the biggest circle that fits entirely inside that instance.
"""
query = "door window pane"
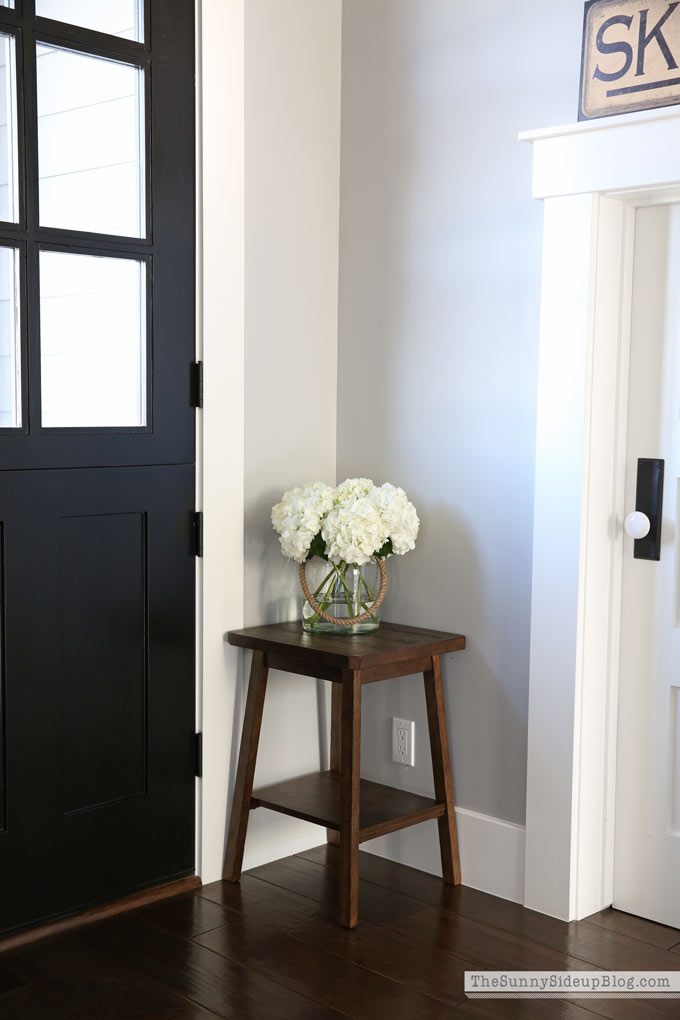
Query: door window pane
(8, 130)
(90, 143)
(92, 341)
(116, 17)
(10, 349)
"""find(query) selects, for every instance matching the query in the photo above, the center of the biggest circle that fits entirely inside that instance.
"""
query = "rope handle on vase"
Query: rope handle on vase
(354, 619)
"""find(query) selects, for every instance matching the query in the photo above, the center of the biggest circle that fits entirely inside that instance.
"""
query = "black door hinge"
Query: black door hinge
(198, 755)
(197, 384)
(197, 532)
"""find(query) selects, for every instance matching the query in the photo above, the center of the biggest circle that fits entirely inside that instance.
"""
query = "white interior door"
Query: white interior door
(647, 847)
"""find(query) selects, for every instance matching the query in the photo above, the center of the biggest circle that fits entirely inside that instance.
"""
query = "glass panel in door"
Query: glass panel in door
(10, 349)
(123, 18)
(90, 143)
(8, 130)
(93, 351)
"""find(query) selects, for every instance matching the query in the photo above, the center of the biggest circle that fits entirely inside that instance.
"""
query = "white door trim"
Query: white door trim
(591, 178)
(220, 467)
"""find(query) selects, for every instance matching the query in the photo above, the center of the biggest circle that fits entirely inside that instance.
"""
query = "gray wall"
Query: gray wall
(440, 249)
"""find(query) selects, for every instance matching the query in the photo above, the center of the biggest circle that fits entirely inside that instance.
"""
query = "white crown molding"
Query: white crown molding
(606, 155)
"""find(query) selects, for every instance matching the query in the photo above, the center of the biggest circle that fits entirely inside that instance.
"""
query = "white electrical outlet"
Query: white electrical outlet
(403, 741)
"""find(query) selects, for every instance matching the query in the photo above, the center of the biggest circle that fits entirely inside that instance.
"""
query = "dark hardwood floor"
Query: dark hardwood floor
(270, 949)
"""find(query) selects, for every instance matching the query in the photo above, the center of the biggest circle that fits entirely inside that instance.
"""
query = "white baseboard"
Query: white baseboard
(491, 852)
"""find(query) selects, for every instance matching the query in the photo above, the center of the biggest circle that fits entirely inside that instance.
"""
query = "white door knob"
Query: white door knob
(637, 524)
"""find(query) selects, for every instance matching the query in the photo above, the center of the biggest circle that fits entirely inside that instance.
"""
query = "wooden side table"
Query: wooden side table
(352, 809)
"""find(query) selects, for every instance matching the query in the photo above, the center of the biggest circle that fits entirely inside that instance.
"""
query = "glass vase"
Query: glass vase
(344, 592)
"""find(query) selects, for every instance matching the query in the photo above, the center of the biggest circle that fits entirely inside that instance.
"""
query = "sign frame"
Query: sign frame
(645, 99)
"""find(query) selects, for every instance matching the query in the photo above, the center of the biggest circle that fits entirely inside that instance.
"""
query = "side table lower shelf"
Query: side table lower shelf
(316, 798)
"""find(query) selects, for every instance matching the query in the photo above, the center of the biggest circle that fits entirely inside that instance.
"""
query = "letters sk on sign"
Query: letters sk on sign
(631, 56)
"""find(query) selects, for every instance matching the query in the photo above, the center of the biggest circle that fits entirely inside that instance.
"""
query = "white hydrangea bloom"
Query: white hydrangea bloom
(353, 532)
(297, 518)
(399, 517)
(353, 488)
(355, 520)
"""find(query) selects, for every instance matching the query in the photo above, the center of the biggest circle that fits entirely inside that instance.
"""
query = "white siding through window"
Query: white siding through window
(93, 341)
(10, 371)
(90, 143)
(8, 130)
(115, 17)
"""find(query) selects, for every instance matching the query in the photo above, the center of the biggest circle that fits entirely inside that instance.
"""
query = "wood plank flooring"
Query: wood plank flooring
(270, 949)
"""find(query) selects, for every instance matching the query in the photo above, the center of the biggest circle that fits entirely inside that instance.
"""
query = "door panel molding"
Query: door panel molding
(104, 662)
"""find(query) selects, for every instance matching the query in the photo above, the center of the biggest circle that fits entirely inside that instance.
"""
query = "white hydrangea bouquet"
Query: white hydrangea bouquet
(350, 526)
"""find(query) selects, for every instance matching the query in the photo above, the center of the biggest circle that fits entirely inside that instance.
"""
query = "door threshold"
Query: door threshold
(131, 902)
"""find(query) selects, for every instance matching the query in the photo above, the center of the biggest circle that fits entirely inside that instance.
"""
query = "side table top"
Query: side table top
(391, 643)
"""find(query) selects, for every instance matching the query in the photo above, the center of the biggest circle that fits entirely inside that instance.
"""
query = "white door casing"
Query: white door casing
(592, 176)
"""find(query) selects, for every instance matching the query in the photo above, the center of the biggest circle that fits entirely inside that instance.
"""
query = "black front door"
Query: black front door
(97, 589)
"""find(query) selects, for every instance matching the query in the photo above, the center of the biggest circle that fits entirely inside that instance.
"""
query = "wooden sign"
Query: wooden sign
(631, 56)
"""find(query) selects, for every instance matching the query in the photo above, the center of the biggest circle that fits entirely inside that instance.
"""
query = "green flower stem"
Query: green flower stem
(357, 602)
(356, 608)
(325, 580)
(362, 580)
(370, 594)
(324, 605)
(349, 597)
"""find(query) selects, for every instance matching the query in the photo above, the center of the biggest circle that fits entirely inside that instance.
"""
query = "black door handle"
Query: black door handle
(649, 500)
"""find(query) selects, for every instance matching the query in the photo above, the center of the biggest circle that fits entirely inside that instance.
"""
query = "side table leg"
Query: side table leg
(349, 797)
(336, 728)
(243, 788)
(441, 767)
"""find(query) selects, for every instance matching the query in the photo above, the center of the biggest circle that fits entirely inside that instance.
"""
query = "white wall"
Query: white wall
(220, 435)
(292, 196)
(440, 273)
(268, 218)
